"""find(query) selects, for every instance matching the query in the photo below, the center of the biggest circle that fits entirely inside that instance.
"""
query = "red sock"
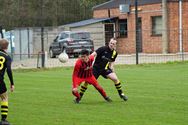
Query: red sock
(75, 93)
(101, 91)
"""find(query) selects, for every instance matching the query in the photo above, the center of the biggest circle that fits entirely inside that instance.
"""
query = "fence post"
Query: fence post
(136, 29)
(28, 43)
(46, 58)
(11, 46)
(1, 31)
(42, 36)
(20, 40)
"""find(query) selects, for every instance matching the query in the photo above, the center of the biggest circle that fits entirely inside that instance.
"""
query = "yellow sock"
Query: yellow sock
(4, 109)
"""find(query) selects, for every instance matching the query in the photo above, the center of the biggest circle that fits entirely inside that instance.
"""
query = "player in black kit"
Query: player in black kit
(5, 65)
(105, 57)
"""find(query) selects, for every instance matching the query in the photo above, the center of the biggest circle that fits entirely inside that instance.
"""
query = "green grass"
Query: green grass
(158, 95)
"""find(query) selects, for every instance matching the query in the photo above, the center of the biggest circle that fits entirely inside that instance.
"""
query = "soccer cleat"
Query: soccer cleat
(122, 96)
(108, 99)
(77, 101)
(4, 122)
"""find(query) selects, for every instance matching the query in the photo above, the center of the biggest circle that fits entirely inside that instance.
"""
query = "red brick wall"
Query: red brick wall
(173, 25)
(150, 44)
(173, 8)
(100, 13)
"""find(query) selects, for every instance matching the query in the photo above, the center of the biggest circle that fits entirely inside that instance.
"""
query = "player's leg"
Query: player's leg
(117, 83)
(94, 82)
(85, 85)
(83, 88)
(4, 107)
(4, 103)
(75, 92)
(76, 82)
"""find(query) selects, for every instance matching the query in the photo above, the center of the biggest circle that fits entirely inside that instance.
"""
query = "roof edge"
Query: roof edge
(87, 22)
(102, 4)
(112, 2)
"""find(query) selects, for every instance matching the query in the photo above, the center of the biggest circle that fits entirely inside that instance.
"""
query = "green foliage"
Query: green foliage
(157, 96)
(23, 13)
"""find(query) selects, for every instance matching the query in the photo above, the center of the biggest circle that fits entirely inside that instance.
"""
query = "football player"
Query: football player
(83, 73)
(5, 65)
(105, 57)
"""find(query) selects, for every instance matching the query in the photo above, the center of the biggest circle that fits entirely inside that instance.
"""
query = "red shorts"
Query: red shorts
(77, 81)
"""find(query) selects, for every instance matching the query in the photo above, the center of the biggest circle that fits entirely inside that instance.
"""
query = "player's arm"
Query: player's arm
(94, 54)
(9, 72)
(111, 66)
(92, 57)
(76, 68)
(98, 51)
(111, 63)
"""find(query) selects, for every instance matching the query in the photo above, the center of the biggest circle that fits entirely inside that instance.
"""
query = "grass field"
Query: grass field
(158, 95)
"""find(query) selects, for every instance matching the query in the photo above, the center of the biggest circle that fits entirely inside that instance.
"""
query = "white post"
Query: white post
(165, 27)
(45, 58)
(180, 27)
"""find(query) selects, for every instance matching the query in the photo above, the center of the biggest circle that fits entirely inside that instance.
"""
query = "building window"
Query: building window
(123, 28)
(157, 25)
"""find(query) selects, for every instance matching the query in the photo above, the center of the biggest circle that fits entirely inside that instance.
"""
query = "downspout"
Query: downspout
(165, 26)
(180, 27)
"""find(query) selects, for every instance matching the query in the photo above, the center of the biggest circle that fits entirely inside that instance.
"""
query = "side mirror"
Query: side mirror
(55, 40)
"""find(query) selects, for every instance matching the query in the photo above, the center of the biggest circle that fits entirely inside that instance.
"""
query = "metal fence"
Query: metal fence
(26, 52)
(35, 61)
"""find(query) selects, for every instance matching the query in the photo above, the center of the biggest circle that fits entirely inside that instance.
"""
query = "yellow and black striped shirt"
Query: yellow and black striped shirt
(104, 56)
(5, 65)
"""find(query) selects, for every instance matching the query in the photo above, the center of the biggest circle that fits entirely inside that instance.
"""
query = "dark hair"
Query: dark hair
(114, 38)
(84, 52)
(3, 44)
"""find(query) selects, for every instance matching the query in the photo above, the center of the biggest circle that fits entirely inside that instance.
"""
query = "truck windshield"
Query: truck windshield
(81, 35)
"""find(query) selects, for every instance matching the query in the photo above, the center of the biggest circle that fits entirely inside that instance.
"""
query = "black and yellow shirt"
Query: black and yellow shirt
(104, 56)
(5, 65)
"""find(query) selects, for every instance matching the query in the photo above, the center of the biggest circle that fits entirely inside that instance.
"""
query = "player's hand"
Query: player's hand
(111, 66)
(112, 69)
(87, 68)
(11, 88)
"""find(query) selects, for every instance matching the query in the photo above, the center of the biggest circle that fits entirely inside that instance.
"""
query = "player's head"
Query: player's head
(112, 43)
(3, 44)
(84, 55)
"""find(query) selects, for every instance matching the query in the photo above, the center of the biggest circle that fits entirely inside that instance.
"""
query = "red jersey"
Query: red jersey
(83, 69)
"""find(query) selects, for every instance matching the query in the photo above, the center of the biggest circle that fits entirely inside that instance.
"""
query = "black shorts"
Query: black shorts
(104, 73)
(3, 87)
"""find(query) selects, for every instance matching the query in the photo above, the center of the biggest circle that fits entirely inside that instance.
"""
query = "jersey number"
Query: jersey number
(2, 60)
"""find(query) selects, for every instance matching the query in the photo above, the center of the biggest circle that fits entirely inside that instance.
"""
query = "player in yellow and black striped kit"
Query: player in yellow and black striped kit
(104, 60)
(5, 65)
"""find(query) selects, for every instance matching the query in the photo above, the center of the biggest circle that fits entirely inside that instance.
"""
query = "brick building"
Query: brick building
(150, 25)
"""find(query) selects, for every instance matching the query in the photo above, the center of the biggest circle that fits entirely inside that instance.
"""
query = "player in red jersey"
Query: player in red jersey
(83, 73)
